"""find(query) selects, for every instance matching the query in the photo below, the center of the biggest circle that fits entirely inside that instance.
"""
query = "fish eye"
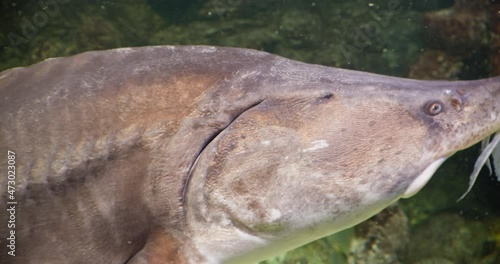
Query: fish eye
(433, 108)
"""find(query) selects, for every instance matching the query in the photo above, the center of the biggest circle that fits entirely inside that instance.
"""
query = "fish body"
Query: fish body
(198, 154)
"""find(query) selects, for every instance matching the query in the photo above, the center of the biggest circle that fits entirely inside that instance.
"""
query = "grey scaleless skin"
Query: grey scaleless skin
(196, 154)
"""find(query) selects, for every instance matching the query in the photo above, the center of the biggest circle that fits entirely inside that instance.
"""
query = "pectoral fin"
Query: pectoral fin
(161, 248)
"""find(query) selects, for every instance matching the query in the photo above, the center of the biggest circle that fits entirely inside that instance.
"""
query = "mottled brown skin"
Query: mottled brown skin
(206, 155)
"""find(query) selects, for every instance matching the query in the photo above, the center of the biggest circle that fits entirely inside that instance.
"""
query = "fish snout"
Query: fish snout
(483, 101)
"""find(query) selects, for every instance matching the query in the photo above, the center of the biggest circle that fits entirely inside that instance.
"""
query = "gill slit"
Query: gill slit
(207, 142)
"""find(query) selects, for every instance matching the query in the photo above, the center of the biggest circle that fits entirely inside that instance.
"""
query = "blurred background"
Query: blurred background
(425, 39)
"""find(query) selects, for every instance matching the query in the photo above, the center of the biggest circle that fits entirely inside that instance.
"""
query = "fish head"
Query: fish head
(461, 114)
(322, 157)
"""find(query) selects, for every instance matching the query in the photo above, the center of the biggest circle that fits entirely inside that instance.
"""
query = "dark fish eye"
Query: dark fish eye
(433, 108)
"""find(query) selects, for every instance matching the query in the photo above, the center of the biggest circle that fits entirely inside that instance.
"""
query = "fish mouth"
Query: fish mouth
(488, 148)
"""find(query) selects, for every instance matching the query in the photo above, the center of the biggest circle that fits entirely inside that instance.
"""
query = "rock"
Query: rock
(382, 239)
(447, 236)
(435, 261)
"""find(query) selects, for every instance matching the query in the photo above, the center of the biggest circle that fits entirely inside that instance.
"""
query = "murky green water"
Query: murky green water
(389, 37)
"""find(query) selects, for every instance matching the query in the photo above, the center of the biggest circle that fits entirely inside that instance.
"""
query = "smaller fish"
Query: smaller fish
(488, 149)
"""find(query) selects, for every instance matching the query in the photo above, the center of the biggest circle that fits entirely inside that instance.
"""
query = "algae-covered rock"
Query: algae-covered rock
(435, 261)
(448, 236)
(382, 239)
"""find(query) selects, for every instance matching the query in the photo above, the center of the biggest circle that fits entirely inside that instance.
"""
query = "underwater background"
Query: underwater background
(433, 39)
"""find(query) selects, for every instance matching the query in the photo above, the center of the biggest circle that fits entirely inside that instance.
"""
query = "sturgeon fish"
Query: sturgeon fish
(197, 154)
